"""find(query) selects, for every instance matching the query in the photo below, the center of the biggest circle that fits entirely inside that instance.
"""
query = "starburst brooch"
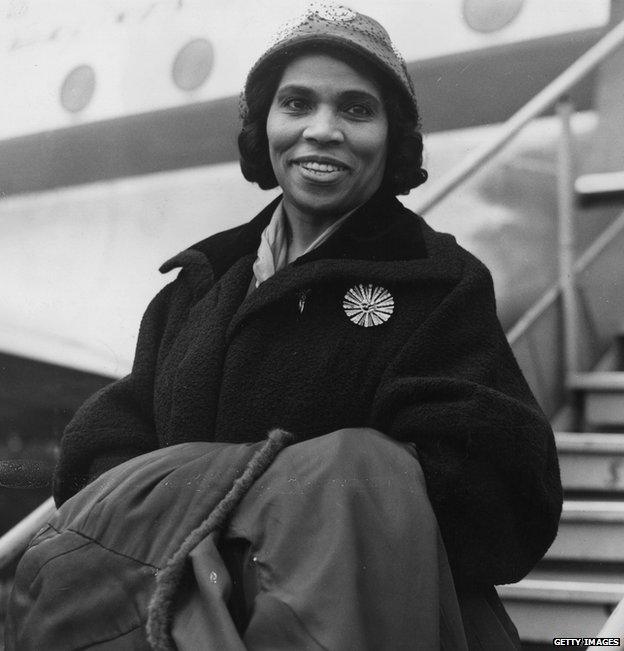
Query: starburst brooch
(367, 305)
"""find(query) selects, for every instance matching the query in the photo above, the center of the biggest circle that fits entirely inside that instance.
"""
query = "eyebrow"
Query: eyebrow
(345, 95)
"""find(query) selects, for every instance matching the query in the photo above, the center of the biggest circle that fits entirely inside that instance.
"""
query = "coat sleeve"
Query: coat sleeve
(486, 448)
(117, 422)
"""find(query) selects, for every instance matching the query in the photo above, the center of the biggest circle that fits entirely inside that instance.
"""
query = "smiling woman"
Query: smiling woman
(327, 131)
(407, 469)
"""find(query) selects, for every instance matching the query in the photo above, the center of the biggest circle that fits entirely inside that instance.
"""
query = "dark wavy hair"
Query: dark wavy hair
(405, 147)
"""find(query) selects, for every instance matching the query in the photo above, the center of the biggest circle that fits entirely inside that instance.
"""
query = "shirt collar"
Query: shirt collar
(382, 229)
(272, 252)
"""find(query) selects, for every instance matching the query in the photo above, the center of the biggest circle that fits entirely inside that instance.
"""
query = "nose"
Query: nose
(323, 127)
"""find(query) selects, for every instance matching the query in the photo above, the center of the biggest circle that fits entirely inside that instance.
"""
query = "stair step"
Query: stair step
(581, 592)
(602, 396)
(543, 609)
(591, 461)
(600, 187)
(590, 442)
(612, 573)
(589, 531)
(603, 381)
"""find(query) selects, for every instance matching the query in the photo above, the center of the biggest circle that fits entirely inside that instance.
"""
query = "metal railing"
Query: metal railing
(14, 542)
(544, 100)
(553, 94)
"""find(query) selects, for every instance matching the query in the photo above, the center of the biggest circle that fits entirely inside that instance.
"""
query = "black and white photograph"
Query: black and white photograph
(311, 325)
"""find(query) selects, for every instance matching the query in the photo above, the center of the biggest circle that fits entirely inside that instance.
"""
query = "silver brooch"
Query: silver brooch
(367, 305)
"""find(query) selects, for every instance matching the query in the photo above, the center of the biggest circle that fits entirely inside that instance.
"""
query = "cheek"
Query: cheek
(279, 133)
(272, 133)
(375, 148)
(275, 133)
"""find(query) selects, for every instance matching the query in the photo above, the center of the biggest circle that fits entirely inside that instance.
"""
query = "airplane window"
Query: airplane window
(193, 64)
(490, 15)
(78, 88)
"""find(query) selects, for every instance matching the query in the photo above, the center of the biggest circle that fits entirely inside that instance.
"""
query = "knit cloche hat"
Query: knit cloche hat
(336, 25)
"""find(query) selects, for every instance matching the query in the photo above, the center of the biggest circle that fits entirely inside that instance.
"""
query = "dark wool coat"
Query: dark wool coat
(214, 365)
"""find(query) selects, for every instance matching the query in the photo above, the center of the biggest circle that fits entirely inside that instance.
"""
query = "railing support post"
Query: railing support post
(566, 240)
(14, 542)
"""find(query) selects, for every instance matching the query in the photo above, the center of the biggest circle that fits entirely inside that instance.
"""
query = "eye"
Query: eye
(359, 110)
(294, 104)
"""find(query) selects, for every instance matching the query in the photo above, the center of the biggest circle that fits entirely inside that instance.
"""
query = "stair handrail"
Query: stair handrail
(16, 539)
(546, 98)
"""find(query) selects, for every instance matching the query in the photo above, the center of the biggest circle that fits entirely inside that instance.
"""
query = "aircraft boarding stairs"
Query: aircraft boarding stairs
(580, 582)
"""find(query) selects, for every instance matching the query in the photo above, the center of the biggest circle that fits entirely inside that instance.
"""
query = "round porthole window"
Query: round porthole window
(490, 15)
(193, 64)
(78, 88)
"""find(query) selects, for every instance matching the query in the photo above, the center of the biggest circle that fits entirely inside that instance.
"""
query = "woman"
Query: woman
(341, 317)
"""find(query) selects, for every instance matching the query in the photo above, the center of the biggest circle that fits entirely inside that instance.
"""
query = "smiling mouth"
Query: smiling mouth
(320, 168)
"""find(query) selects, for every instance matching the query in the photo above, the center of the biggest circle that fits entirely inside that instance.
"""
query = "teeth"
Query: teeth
(320, 167)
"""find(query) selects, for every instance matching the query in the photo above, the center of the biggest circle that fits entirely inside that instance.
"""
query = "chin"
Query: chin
(323, 202)
(325, 207)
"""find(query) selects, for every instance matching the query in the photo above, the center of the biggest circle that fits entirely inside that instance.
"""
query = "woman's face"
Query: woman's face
(327, 131)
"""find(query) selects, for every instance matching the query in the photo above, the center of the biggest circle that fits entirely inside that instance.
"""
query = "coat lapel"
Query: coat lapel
(382, 243)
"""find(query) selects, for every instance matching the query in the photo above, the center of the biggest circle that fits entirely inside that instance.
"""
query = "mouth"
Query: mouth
(320, 167)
